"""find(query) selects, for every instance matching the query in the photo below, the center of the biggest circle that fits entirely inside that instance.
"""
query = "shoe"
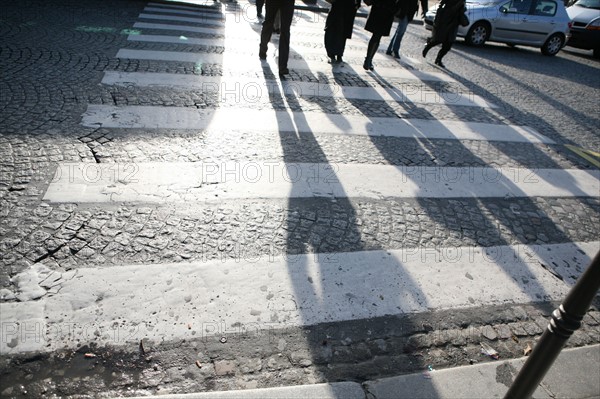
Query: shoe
(339, 59)
(331, 59)
(439, 63)
(396, 55)
(262, 56)
(426, 50)
(284, 71)
(367, 64)
(389, 52)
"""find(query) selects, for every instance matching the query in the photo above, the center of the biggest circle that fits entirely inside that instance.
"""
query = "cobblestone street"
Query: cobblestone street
(176, 217)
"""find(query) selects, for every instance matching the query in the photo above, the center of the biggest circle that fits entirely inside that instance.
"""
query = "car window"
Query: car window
(546, 8)
(517, 6)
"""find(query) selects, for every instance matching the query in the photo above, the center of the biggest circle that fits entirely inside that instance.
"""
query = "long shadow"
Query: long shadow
(495, 217)
(323, 240)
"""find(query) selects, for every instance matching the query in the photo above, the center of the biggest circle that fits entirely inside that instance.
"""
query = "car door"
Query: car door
(509, 26)
(541, 21)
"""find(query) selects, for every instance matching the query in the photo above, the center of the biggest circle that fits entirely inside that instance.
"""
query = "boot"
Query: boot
(426, 49)
(438, 62)
(368, 64)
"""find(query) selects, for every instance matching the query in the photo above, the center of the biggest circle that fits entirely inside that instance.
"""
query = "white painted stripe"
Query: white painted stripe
(197, 12)
(178, 5)
(204, 299)
(227, 119)
(241, 43)
(260, 89)
(178, 8)
(204, 20)
(240, 61)
(181, 28)
(160, 182)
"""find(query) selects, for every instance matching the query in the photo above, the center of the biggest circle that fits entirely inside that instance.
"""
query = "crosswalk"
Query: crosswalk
(282, 290)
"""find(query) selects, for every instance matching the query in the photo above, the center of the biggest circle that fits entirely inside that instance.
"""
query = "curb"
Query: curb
(573, 376)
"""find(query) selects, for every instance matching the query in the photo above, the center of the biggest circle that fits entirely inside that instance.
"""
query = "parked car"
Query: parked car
(537, 23)
(585, 30)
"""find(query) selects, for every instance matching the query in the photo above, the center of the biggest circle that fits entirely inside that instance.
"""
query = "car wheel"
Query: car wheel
(478, 34)
(553, 44)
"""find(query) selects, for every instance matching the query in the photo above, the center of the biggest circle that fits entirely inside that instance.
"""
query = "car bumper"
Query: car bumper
(584, 39)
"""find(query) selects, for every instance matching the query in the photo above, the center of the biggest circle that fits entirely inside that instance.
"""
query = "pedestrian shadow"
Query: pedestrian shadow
(327, 259)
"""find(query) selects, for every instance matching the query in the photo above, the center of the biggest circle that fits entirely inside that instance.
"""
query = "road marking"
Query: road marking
(207, 5)
(182, 10)
(206, 20)
(211, 298)
(259, 89)
(182, 28)
(198, 13)
(159, 182)
(244, 61)
(228, 119)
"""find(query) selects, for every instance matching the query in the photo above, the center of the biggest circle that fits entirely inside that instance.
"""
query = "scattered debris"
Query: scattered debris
(514, 338)
(198, 364)
(527, 350)
(89, 355)
(489, 351)
(223, 340)
(189, 326)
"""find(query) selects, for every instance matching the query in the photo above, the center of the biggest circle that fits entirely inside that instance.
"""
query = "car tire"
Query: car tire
(478, 34)
(553, 44)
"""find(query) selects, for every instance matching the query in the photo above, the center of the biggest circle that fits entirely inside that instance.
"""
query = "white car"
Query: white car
(538, 23)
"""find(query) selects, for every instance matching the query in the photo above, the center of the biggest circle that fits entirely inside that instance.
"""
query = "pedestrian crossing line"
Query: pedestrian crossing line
(241, 43)
(198, 13)
(183, 28)
(204, 20)
(240, 61)
(229, 119)
(183, 11)
(160, 182)
(208, 5)
(204, 299)
(260, 90)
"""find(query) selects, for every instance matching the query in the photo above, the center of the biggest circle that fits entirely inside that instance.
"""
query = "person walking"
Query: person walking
(405, 14)
(424, 7)
(259, 7)
(286, 14)
(338, 27)
(449, 15)
(379, 23)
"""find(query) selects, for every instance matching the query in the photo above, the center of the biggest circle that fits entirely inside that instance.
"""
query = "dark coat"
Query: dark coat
(447, 19)
(407, 8)
(381, 17)
(342, 13)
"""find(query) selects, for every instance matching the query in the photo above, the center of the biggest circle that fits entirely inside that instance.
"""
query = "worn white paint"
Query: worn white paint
(123, 304)
(161, 182)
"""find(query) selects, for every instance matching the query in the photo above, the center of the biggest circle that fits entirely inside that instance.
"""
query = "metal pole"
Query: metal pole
(565, 320)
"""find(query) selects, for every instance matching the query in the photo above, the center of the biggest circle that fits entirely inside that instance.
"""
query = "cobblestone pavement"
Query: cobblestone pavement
(53, 57)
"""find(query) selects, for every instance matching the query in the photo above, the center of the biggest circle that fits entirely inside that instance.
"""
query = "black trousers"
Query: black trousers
(286, 11)
(259, 6)
(446, 46)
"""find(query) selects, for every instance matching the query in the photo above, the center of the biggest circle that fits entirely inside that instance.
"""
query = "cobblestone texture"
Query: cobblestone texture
(357, 351)
(67, 236)
(52, 58)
